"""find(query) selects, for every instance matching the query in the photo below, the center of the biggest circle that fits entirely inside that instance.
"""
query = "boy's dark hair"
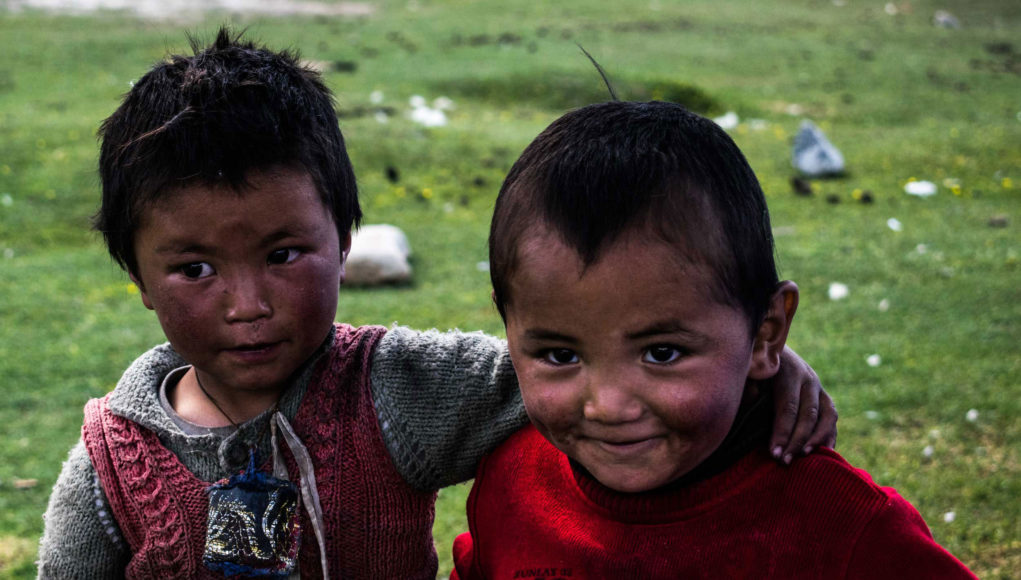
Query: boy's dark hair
(213, 118)
(613, 168)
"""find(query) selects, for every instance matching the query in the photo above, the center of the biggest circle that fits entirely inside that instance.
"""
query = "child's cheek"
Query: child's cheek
(186, 322)
(317, 297)
(551, 403)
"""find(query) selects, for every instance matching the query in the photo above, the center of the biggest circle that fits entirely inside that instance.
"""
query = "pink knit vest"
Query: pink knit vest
(376, 525)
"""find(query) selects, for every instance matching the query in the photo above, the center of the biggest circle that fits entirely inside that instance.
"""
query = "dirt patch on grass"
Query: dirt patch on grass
(178, 9)
(15, 552)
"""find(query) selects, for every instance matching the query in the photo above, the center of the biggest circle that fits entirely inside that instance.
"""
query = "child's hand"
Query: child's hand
(805, 415)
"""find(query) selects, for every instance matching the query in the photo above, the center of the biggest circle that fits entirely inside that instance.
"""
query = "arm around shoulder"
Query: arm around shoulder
(444, 399)
(897, 544)
(80, 538)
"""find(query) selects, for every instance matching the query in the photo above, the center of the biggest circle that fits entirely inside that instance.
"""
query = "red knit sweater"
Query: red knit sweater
(376, 525)
(531, 515)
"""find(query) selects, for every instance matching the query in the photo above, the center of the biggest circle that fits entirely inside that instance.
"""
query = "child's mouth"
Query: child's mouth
(251, 353)
(631, 447)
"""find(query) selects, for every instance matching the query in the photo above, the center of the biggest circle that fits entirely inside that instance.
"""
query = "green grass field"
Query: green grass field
(899, 96)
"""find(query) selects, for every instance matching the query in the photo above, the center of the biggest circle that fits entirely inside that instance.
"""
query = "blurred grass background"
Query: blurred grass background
(900, 97)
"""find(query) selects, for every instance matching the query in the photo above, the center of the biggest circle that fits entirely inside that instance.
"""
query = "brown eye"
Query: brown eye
(662, 354)
(282, 256)
(561, 356)
(196, 270)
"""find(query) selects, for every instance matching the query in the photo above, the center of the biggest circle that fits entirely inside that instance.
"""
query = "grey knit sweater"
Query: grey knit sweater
(442, 399)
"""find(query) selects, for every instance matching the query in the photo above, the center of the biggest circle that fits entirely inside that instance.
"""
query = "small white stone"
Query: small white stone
(894, 224)
(381, 117)
(7, 200)
(838, 291)
(758, 124)
(920, 188)
(890, 8)
(376, 97)
(884, 305)
(949, 517)
(428, 117)
(379, 255)
(971, 415)
(443, 103)
(417, 101)
(871, 415)
(928, 451)
(873, 360)
(728, 121)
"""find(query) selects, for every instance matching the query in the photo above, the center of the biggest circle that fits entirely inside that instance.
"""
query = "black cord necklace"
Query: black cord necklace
(213, 401)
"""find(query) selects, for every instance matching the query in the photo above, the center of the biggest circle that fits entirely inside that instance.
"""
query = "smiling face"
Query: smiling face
(244, 284)
(627, 366)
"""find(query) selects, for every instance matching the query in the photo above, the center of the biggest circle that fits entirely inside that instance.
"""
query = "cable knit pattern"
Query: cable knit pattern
(160, 506)
(377, 526)
(451, 396)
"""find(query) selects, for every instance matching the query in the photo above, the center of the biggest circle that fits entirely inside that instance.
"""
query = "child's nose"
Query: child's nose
(247, 300)
(610, 402)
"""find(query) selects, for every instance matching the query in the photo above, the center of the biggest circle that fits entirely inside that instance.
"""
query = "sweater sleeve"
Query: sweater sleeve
(80, 538)
(443, 399)
(897, 544)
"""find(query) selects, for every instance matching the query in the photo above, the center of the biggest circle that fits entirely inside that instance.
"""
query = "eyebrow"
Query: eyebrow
(665, 327)
(183, 248)
(658, 328)
(546, 334)
(175, 247)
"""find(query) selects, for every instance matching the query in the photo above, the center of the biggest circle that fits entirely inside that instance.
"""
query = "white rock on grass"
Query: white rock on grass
(379, 255)
(813, 154)
(920, 188)
(729, 121)
(944, 19)
(838, 291)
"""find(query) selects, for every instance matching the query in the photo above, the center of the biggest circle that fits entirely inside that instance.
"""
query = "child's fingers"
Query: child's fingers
(787, 390)
(825, 434)
(786, 405)
(808, 419)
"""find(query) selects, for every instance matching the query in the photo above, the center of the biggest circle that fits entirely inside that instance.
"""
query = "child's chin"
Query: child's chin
(635, 483)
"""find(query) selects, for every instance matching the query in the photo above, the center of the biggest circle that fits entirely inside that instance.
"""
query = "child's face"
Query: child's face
(627, 367)
(244, 284)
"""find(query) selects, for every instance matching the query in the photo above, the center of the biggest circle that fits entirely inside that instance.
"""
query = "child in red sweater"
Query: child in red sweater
(632, 261)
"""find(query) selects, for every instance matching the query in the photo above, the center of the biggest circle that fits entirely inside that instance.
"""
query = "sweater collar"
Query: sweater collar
(136, 397)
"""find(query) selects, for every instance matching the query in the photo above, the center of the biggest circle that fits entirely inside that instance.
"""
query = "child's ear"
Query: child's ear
(141, 290)
(345, 249)
(772, 334)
